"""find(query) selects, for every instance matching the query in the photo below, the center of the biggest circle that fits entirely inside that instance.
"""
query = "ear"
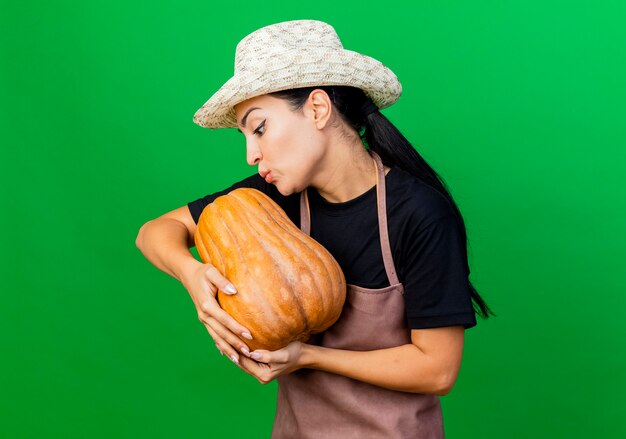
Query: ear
(320, 106)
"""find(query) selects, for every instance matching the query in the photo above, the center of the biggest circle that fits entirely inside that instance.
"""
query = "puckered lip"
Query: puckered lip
(266, 175)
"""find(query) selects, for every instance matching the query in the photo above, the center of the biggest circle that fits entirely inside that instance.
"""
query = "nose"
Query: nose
(253, 153)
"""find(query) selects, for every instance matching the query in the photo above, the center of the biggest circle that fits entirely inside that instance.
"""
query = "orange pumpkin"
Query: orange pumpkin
(288, 285)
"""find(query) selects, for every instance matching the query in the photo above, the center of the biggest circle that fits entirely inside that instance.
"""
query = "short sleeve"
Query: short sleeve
(288, 203)
(436, 276)
(197, 206)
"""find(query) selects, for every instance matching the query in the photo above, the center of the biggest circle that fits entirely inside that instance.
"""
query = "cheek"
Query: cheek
(300, 157)
(293, 149)
(277, 143)
(287, 144)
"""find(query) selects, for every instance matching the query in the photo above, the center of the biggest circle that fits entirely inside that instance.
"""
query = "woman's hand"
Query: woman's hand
(202, 282)
(267, 365)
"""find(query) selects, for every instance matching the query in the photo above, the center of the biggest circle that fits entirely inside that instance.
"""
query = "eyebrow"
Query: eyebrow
(245, 117)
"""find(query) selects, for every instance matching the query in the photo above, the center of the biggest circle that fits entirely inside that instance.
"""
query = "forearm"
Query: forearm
(165, 243)
(404, 368)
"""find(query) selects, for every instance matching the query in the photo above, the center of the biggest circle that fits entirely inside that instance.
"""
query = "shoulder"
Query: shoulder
(413, 201)
(288, 203)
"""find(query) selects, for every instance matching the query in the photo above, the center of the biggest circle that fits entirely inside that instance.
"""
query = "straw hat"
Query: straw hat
(294, 54)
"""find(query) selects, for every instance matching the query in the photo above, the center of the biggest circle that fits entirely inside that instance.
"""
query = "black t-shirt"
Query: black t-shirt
(428, 252)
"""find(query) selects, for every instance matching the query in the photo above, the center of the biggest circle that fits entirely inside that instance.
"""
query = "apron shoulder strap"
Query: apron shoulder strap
(381, 202)
(305, 213)
(381, 197)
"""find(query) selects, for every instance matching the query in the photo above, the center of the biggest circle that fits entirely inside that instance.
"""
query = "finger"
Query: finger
(219, 341)
(212, 310)
(260, 371)
(230, 338)
(216, 278)
(224, 347)
(218, 349)
(249, 366)
(262, 356)
(227, 336)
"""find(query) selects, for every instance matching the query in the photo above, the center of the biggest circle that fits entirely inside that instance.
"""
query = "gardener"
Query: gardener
(302, 103)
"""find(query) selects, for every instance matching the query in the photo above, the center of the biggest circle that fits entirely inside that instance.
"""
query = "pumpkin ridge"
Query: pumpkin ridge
(266, 225)
(235, 242)
(332, 271)
(271, 220)
(316, 248)
(211, 255)
(215, 256)
(275, 307)
(200, 246)
(312, 248)
(223, 228)
(207, 250)
(260, 197)
(206, 240)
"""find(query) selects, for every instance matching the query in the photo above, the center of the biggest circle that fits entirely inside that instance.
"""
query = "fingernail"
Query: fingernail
(230, 289)
(255, 355)
(245, 350)
(247, 335)
(234, 358)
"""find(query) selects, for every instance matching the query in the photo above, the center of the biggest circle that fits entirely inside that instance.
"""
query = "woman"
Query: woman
(302, 102)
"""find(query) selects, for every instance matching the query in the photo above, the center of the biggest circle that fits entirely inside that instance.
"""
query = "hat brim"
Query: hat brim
(300, 68)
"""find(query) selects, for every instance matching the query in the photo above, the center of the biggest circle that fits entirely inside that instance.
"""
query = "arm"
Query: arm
(165, 242)
(429, 364)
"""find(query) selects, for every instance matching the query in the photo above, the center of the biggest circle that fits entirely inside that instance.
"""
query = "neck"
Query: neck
(346, 172)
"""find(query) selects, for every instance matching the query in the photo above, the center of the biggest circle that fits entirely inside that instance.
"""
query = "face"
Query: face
(286, 146)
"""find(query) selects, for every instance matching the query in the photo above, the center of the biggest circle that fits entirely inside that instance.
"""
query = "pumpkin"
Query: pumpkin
(288, 285)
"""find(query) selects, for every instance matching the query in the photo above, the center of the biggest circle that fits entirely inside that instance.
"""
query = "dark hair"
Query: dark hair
(381, 136)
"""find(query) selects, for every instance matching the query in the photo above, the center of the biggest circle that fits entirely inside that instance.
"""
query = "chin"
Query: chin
(285, 193)
(284, 190)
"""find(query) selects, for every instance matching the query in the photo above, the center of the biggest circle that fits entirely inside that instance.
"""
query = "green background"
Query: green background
(519, 105)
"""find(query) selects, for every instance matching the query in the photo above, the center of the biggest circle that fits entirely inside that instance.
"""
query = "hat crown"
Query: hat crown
(274, 39)
(295, 54)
